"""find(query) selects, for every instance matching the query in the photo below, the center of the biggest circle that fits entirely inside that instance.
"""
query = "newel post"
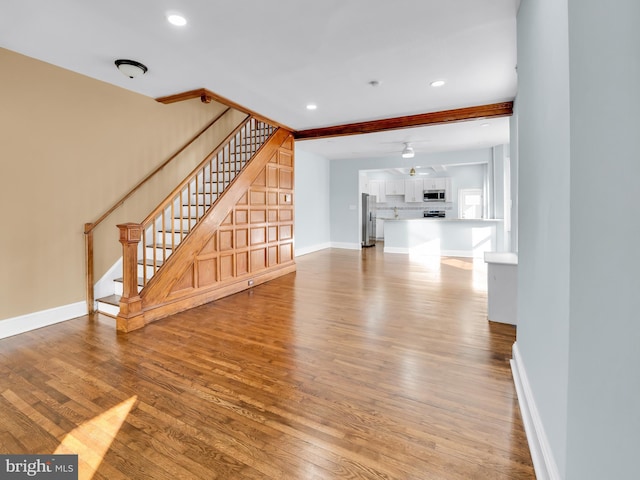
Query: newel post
(130, 303)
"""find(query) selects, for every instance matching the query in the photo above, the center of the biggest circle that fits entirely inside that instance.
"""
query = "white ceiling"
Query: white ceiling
(276, 57)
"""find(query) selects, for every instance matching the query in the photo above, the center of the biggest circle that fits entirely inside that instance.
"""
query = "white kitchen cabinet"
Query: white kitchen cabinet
(379, 228)
(440, 183)
(394, 187)
(435, 183)
(413, 190)
(377, 188)
(448, 190)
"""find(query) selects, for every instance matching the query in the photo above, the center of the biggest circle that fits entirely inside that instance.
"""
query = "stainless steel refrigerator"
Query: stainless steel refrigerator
(368, 220)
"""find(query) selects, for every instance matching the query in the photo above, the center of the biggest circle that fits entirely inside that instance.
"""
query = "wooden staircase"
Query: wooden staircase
(166, 228)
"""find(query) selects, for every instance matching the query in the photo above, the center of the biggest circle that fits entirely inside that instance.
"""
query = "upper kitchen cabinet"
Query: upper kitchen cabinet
(435, 183)
(377, 188)
(394, 187)
(413, 190)
(440, 183)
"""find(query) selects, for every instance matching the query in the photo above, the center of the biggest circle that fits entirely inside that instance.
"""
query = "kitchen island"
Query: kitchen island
(442, 236)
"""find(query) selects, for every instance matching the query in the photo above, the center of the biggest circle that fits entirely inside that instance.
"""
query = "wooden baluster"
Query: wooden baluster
(130, 303)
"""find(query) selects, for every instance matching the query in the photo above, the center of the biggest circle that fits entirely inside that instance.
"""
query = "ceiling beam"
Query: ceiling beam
(206, 96)
(494, 110)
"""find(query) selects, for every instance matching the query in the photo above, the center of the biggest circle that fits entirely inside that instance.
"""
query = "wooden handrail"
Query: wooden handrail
(207, 96)
(196, 194)
(189, 177)
(89, 227)
(217, 171)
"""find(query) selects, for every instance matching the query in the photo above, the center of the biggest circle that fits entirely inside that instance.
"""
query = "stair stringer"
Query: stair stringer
(179, 286)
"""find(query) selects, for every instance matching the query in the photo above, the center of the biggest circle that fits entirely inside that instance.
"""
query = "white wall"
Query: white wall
(312, 224)
(544, 202)
(578, 283)
(604, 381)
(464, 177)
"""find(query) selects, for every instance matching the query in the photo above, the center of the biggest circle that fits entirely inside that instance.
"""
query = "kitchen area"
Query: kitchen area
(436, 210)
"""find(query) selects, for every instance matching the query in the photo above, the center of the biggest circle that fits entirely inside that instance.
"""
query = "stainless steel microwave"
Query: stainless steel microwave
(434, 196)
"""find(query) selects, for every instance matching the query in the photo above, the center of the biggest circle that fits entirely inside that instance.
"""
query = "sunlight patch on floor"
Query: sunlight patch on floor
(457, 263)
(91, 440)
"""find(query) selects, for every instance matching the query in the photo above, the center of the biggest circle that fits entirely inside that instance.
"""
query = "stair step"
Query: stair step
(185, 223)
(109, 305)
(166, 235)
(119, 285)
(149, 262)
(159, 246)
(111, 300)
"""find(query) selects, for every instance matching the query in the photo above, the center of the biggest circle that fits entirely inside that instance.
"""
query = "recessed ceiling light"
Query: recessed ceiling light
(312, 106)
(177, 20)
(437, 83)
(484, 125)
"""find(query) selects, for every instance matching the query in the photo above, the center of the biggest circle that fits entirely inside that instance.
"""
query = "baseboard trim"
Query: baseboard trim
(44, 318)
(404, 251)
(313, 248)
(541, 454)
(345, 245)
(441, 253)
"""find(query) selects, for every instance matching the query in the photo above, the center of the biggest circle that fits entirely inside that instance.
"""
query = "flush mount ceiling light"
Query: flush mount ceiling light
(408, 151)
(412, 172)
(131, 68)
(312, 106)
(437, 83)
(177, 20)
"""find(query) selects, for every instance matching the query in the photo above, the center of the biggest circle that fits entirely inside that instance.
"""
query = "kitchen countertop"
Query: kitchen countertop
(436, 219)
(454, 237)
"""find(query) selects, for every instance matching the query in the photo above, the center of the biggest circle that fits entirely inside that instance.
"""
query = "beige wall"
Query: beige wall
(70, 146)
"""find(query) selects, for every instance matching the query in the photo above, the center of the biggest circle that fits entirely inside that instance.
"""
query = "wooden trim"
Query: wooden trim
(125, 325)
(207, 96)
(88, 260)
(171, 197)
(495, 110)
(157, 300)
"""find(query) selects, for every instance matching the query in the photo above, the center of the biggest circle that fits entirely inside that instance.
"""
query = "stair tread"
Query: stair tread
(167, 246)
(110, 300)
(150, 262)
(140, 281)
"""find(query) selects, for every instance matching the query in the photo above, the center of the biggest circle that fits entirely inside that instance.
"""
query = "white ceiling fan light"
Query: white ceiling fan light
(408, 151)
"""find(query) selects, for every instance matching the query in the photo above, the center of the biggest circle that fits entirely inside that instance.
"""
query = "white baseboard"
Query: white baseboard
(312, 248)
(541, 454)
(396, 250)
(346, 246)
(44, 318)
(439, 253)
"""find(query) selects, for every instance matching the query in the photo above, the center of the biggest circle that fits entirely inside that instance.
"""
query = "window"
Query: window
(470, 203)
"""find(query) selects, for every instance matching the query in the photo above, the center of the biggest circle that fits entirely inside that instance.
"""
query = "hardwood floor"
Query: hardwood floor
(360, 365)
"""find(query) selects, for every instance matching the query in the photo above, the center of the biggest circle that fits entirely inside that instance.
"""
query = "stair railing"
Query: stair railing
(90, 227)
(172, 220)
